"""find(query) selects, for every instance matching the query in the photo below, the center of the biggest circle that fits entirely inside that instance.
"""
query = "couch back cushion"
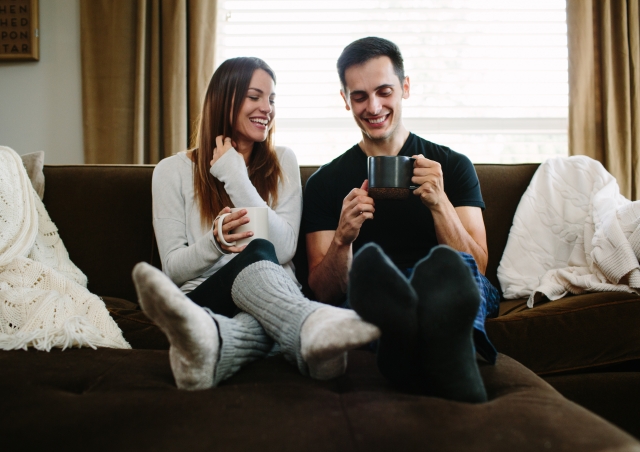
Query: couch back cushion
(103, 213)
(502, 186)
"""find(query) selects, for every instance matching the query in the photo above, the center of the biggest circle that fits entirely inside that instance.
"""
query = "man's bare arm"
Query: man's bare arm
(330, 253)
(329, 265)
(462, 228)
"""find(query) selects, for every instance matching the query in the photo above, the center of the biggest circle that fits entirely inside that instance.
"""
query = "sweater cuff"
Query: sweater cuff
(216, 244)
(230, 161)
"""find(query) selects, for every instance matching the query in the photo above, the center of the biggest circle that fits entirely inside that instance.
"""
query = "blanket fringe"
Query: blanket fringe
(75, 331)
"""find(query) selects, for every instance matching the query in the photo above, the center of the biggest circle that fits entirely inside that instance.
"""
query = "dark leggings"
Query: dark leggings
(215, 292)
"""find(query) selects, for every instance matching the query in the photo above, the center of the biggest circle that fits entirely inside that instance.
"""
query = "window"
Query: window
(488, 77)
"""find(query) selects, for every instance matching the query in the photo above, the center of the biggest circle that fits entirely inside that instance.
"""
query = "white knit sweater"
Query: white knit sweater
(189, 254)
(44, 302)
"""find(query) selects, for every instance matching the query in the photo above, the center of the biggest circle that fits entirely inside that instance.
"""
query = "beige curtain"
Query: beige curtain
(604, 79)
(145, 67)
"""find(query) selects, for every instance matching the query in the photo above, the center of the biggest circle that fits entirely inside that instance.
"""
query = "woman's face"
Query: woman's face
(258, 109)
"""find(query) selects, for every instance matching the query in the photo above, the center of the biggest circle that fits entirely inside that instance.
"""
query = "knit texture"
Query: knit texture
(44, 302)
(573, 232)
(265, 291)
(243, 341)
(187, 250)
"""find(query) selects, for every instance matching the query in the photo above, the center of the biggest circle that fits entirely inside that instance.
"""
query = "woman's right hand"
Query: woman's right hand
(229, 223)
(222, 145)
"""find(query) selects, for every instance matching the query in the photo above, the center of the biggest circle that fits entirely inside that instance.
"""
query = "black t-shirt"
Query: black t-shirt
(403, 228)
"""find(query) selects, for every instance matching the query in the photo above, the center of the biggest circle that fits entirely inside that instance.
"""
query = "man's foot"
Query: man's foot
(448, 304)
(192, 333)
(326, 336)
(383, 296)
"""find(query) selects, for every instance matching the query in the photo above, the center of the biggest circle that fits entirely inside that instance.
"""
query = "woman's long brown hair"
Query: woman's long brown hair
(219, 112)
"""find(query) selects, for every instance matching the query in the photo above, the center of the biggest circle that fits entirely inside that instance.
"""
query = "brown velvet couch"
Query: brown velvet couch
(586, 347)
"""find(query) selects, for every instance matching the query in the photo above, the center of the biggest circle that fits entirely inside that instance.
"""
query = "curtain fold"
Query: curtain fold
(145, 68)
(604, 79)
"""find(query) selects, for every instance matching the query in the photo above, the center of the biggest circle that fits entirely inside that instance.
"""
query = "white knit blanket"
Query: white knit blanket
(44, 302)
(573, 232)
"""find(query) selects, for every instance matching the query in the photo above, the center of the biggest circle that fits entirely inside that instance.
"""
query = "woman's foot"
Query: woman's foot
(326, 336)
(192, 332)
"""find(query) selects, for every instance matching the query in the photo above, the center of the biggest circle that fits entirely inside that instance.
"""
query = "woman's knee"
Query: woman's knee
(260, 250)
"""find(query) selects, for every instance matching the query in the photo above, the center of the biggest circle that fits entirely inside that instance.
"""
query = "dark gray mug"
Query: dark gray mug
(390, 177)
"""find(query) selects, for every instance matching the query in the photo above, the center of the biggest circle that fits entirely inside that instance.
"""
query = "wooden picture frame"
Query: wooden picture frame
(19, 30)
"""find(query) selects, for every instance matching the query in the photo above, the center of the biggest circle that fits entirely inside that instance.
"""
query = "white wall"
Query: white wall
(41, 101)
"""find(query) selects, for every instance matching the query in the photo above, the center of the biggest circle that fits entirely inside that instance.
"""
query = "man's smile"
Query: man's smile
(376, 121)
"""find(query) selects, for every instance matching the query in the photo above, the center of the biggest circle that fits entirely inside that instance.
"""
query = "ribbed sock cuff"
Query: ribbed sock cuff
(243, 340)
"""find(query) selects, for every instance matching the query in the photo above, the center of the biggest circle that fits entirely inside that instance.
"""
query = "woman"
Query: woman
(239, 300)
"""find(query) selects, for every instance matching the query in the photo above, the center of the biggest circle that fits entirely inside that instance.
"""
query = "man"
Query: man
(430, 310)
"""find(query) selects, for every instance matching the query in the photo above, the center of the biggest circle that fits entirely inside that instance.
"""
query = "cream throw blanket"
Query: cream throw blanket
(573, 232)
(44, 302)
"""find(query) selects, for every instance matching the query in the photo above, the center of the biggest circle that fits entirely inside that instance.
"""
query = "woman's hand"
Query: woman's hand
(223, 144)
(229, 223)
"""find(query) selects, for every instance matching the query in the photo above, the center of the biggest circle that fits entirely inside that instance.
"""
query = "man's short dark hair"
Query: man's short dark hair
(365, 49)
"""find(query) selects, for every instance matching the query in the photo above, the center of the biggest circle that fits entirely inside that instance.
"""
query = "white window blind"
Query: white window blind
(488, 77)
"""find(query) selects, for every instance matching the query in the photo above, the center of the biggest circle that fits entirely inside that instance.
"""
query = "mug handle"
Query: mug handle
(413, 187)
(220, 235)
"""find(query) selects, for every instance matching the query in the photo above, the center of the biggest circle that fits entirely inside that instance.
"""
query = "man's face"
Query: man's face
(374, 95)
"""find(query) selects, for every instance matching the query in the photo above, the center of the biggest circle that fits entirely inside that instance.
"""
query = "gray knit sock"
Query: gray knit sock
(243, 341)
(265, 291)
(191, 331)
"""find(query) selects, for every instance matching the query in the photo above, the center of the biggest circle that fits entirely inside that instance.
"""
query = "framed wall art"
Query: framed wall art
(19, 33)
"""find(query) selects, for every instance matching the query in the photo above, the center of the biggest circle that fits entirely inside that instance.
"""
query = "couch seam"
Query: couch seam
(352, 434)
(99, 165)
(100, 377)
(130, 319)
(501, 318)
(570, 369)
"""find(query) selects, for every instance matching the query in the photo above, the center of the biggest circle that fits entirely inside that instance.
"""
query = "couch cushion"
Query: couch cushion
(137, 328)
(83, 399)
(502, 187)
(103, 214)
(34, 163)
(612, 392)
(574, 332)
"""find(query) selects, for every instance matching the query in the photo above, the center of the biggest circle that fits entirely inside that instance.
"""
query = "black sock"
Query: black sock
(448, 303)
(382, 295)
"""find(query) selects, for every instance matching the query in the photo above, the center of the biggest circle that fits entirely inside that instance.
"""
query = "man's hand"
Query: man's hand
(330, 253)
(357, 207)
(427, 175)
(222, 145)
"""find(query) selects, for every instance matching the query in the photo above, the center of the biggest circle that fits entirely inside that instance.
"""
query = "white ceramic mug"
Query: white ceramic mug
(258, 224)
